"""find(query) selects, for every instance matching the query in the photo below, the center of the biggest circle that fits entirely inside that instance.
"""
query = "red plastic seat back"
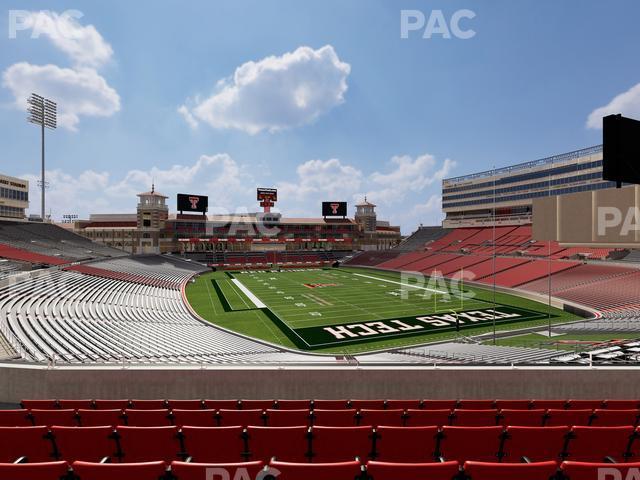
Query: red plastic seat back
(412, 471)
(522, 418)
(229, 418)
(425, 418)
(290, 444)
(120, 471)
(198, 471)
(47, 404)
(32, 442)
(294, 404)
(330, 405)
(474, 418)
(67, 418)
(594, 444)
(186, 404)
(337, 444)
(100, 404)
(376, 418)
(147, 444)
(600, 471)
(470, 443)
(194, 418)
(214, 444)
(614, 418)
(319, 471)
(15, 418)
(556, 418)
(334, 418)
(148, 404)
(510, 471)
(34, 471)
(536, 443)
(89, 444)
(288, 418)
(99, 418)
(147, 418)
(406, 444)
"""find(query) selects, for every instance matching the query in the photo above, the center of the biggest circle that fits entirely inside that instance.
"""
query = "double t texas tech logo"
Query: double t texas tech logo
(194, 202)
(334, 208)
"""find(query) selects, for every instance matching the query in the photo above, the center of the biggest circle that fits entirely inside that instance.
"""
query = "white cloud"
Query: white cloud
(81, 92)
(188, 117)
(322, 180)
(227, 183)
(83, 44)
(627, 103)
(276, 93)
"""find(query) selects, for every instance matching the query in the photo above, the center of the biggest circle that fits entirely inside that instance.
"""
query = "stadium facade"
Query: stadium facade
(153, 229)
(470, 200)
(14, 197)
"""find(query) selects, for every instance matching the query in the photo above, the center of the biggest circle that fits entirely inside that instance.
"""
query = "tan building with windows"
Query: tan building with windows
(14, 198)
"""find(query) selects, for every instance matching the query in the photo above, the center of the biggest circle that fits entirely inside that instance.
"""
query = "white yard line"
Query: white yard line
(255, 300)
(403, 284)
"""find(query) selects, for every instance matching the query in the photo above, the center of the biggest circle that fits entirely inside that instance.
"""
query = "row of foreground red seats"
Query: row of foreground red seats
(351, 470)
(285, 418)
(140, 404)
(319, 444)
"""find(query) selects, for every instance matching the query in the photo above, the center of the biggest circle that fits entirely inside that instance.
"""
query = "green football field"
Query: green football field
(352, 310)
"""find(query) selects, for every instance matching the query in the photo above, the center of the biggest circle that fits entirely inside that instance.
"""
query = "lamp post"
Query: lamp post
(42, 112)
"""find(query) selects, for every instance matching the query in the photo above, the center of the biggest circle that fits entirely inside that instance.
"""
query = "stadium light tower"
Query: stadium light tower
(42, 112)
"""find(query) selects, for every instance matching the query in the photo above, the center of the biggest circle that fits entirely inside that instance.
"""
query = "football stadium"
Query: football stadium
(313, 336)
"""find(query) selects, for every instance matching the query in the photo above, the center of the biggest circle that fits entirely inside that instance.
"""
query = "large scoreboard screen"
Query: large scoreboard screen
(334, 209)
(192, 203)
(268, 194)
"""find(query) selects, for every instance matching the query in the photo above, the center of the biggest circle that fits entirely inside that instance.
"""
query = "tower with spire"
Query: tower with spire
(366, 215)
(152, 214)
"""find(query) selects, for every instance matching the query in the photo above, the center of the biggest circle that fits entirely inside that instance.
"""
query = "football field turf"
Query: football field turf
(348, 310)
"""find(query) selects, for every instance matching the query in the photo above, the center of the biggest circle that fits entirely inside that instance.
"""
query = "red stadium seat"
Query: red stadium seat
(185, 404)
(439, 404)
(48, 404)
(334, 418)
(622, 404)
(257, 404)
(294, 404)
(75, 404)
(367, 404)
(34, 471)
(600, 471)
(474, 418)
(470, 443)
(510, 471)
(195, 418)
(337, 444)
(412, 471)
(318, 471)
(513, 404)
(330, 404)
(476, 404)
(404, 404)
(554, 418)
(198, 471)
(214, 444)
(89, 444)
(289, 444)
(148, 404)
(120, 471)
(547, 404)
(98, 418)
(595, 444)
(147, 418)
(425, 418)
(147, 444)
(406, 444)
(228, 418)
(221, 404)
(584, 404)
(65, 417)
(375, 418)
(522, 418)
(30, 442)
(614, 418)
(288, 418)
(111, 404)
(538, 444)
(15, 418)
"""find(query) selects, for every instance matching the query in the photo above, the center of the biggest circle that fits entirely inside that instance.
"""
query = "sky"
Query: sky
(325, 100)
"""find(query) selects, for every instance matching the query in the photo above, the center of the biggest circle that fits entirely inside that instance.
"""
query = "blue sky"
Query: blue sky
(335, 104)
